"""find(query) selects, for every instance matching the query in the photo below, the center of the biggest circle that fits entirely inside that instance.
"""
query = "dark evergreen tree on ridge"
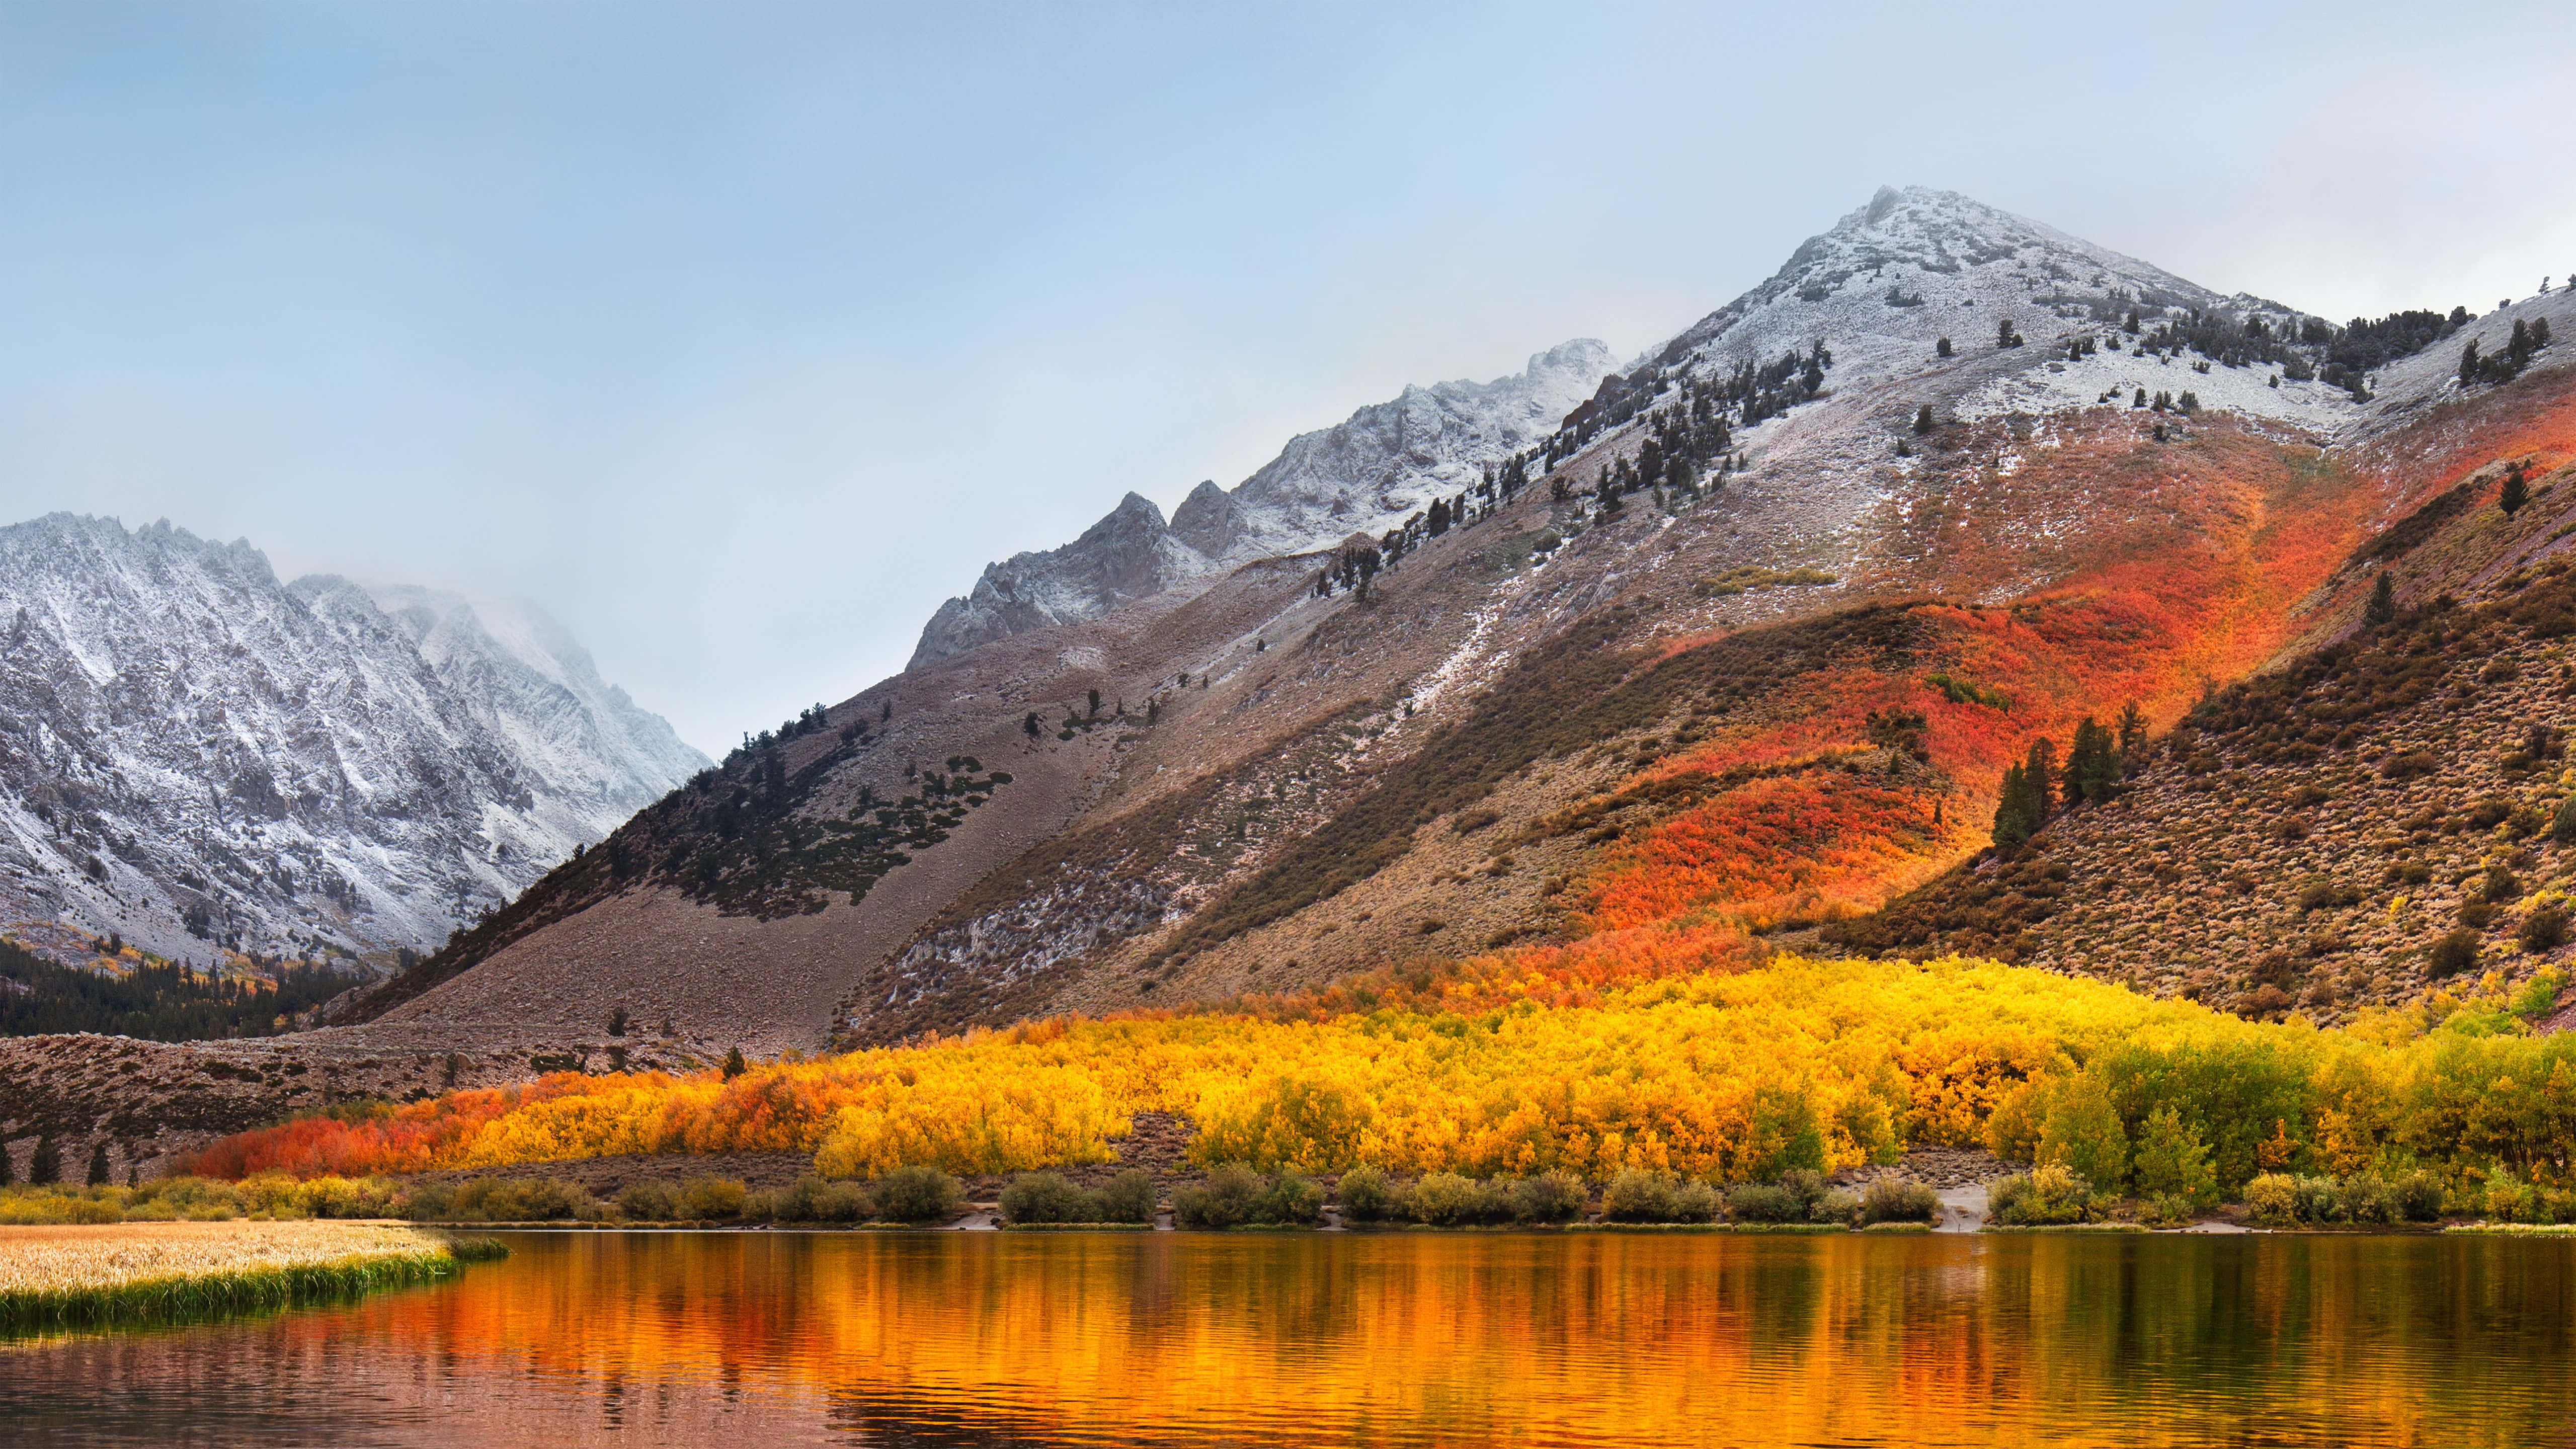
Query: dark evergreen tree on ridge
(2382, 608)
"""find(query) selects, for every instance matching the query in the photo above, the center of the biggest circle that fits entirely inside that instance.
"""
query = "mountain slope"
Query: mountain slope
(1734, 648)
(202, 759)
(2369, 818)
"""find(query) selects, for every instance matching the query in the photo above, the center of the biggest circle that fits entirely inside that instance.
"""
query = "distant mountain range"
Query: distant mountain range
(199, 758)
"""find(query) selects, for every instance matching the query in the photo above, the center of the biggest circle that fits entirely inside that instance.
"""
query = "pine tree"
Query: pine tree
(2005, 336)
(98, 1164)
(2173, 1161)
(2039, 771)
(734, 1065)
(1031, 724)
(2133, 737)
(2382, 608)
(2469, 367)
(1942, 348)
(46, 1166)
(1923, 419)
(9, 1169)
(2516, 492)
(2141, 399)
(2013, 823)
(2092, 762)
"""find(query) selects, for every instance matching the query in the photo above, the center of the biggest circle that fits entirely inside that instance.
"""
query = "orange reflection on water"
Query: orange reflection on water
(1524, 1339)
(1544, 1339)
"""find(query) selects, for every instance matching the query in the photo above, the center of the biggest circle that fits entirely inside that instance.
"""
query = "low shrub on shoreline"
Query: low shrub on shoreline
(1047, 1197)
(2048, 1195)
(198, 1199)
(1234, 1196)
(2278, 1199)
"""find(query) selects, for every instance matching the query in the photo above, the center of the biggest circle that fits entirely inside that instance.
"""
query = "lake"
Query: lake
(924, 1339)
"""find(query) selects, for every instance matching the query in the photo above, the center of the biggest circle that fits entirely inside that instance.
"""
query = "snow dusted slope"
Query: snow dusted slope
(195, 755)
(539, 693)
(1365, 475)
(1917, 265)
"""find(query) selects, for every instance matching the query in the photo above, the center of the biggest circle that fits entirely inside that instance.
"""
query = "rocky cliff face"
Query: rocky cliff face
(1364, 475)
(199, 757)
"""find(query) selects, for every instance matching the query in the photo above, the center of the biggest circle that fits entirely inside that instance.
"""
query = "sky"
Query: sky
(739, 335)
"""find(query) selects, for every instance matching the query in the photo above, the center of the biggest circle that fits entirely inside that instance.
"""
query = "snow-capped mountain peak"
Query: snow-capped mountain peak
(197, 756)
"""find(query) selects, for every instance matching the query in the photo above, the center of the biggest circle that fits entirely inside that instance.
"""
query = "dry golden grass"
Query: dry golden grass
(54, 1260)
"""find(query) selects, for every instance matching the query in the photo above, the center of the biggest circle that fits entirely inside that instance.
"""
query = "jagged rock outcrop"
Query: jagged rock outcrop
(1366, 474)
(199, 757)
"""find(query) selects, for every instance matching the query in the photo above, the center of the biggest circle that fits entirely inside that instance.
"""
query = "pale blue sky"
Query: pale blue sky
(739, 335)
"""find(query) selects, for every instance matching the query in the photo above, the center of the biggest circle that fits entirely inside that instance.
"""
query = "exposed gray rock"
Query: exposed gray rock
(1364, 475)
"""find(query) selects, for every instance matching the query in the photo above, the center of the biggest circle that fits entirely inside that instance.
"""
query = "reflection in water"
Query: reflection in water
(951, 1338)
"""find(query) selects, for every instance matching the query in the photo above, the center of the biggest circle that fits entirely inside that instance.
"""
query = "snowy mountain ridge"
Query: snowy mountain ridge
(1363, 475)
(197, 756)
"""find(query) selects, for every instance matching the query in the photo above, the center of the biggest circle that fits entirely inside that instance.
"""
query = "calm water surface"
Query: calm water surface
(1176, 1339)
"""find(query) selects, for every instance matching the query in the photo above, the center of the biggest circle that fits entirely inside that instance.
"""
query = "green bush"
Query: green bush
(1233, 1195)
(54, 1203)
(2419, 1196)
(2083, 1132)
(1638, 1196)
(2509, 1201)
(198, 1199)
(1367, 1197)
(2272, 1199)
(341, 1197)
(918, 1195)
(1129, 1198)
(1694, 1201)
(1889, 1200)
(501, 1200)
(1554, 1196)
(2173, 1160)
(1292, 1198)
(2370, 1198)
(707, 1199)
(651, 1201)
(2281, 1200)
(2454, 953)
(1446, 1200)
(1766, 1203)
(1227, 1197)
(2047, 1194)
(1835, 1206)
(809, 1199)
(2318, 1200)
(1048, 1197)
(2545, 929)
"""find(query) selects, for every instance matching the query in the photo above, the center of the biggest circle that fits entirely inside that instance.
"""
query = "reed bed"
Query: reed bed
(139, 1273)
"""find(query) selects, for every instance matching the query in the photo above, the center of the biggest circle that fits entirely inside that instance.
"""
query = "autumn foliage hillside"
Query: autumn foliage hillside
(2176, 565)
(1719, 1075)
